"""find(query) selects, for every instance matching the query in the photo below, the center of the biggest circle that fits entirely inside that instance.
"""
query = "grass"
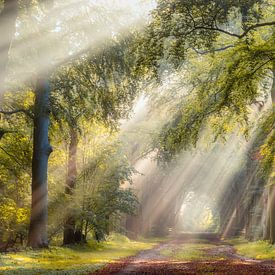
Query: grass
(260, 250)
(189, 252)
(72, 260)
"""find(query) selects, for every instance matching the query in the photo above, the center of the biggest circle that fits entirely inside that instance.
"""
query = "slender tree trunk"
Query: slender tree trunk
(69, 224)
(8, 17)
(271, 194)
(86, 230)
(41, 151)
(272, 213)
(273, 86)
(266, 220)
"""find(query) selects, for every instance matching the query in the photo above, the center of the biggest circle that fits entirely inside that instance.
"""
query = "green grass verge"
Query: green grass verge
(72, 260)
(190, 252)
(260, 250)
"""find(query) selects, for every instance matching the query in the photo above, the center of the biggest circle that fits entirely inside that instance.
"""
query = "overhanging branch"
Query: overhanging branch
(12, 112)
(213, 50)
(253, 27)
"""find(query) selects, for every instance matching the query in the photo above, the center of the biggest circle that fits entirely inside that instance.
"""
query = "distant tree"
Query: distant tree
(99, 195)
(8, 17)
(97, 87)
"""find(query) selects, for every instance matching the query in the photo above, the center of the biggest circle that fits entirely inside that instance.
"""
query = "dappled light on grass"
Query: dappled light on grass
(260, 250)
(75, 259)
(188, 252)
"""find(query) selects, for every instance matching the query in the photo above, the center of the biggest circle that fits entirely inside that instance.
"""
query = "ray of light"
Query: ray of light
(43, 43)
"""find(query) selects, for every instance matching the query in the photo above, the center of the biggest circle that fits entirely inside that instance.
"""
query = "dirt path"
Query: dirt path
(220, 258)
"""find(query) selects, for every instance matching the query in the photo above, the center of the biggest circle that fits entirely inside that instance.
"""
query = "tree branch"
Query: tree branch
(10, 155)
(218, 30)
(253, 27)
(5, 131)
(12, 112)
(259, 25)
(213, 50)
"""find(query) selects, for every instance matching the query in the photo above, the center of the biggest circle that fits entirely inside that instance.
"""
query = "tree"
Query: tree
(41, 151)
(92, 88)
(236, 69)
(229, 46)
(8, 17)
(99, 195)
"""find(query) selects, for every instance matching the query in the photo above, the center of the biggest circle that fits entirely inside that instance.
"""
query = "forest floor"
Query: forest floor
(190, 254)
(72, 260)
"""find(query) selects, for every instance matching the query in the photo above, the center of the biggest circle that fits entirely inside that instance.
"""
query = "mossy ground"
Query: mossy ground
(72, 260)
(260, 250)
(189, 252)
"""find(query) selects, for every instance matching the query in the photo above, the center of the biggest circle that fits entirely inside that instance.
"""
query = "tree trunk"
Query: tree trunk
(272, 213)
(273, 86)
(271, 194)
(8, 17)
(266, 220)
(69, 224)
(41, 151)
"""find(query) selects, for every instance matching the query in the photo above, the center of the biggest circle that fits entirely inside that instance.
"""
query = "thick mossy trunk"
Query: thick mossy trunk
(8, 17)
(37, 237)
(69, 234)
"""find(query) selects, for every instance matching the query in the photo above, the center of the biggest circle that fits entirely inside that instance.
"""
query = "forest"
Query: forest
(137, 137)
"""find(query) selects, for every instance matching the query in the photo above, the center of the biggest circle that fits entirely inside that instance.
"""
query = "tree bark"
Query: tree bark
(41, 151)
(8, 17)
(69, 224)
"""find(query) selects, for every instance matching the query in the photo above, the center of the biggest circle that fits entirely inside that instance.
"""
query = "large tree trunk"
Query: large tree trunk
(41, 151)
(69, 224)
(8, 17)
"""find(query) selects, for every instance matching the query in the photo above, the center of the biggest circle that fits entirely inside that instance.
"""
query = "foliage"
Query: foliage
(99, 195)
(222, 99)
(15, 169)
(180, 26)
(266, 144)
(97, 86)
